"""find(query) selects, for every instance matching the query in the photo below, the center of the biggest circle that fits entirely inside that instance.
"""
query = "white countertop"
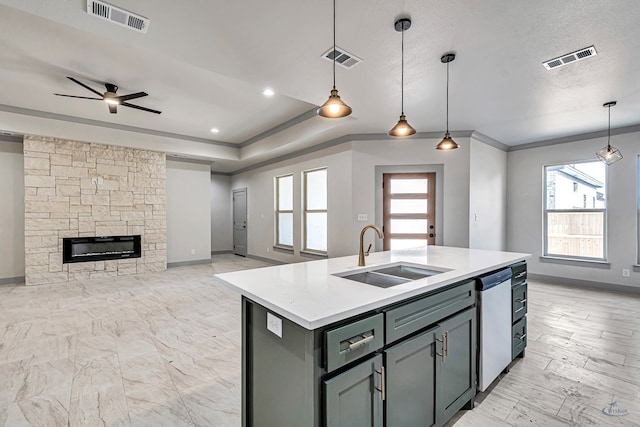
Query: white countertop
(308, 293)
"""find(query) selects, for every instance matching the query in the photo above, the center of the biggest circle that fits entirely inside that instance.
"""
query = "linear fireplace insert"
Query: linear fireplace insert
(82, 249)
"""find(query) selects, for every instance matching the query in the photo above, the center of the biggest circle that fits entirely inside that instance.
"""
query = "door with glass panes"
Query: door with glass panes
(409, 208)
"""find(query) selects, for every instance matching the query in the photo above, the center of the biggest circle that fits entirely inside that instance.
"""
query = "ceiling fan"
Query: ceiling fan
(111, 98)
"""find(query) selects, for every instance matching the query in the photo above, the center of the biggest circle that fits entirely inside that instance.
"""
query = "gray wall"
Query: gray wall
(487, 197)
(353, 168)
(261, 203)
(367, 155)
(188, 212)
(11, 211)
(525, 207)
(221, 218)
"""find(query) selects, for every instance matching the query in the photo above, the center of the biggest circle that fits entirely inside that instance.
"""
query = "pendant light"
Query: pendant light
(402, 128)
(447, 143)
(609, 154)
(334, 108)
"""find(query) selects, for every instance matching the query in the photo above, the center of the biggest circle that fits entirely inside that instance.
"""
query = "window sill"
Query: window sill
(284, 249)
(576, 262)
(309, 254)
(636, 268)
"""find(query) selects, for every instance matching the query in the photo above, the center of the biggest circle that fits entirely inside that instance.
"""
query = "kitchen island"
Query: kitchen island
(320, 349)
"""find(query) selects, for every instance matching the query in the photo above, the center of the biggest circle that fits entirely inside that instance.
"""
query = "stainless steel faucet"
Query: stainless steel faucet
(361, 253)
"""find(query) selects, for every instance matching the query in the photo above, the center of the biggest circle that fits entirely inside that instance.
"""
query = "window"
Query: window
(284, 211)
(571, 229)
(315, 211)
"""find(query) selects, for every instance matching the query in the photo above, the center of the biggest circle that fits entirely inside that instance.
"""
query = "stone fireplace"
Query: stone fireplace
(76, 189)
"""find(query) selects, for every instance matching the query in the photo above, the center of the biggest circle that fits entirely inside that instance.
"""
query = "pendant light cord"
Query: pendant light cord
(609, 131)
(448, 96)
(402, 73)
(334, 44)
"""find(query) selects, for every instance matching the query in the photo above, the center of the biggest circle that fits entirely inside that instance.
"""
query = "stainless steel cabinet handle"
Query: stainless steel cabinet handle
(443, 355)
(522, 301)
(519, 275)
(522, 337)
(446, 345)
(383, 384)
(365, 339)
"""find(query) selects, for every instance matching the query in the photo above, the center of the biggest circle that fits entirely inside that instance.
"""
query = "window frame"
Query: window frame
(306, 211)
(278, 211)
(546, 211)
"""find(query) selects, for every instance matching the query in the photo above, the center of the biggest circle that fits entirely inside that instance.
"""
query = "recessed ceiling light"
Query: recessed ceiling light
(268, 92)
(215, 130)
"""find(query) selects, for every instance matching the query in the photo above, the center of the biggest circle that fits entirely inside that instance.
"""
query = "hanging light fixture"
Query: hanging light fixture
(334, 108)
(402, 128)
(609, 154)
(447, 143)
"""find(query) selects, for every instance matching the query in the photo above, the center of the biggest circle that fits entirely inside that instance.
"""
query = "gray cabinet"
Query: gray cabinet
(456, 378)
(411, 380)
(431, 376)
(411, 364)
(354, 397)
(519, 293)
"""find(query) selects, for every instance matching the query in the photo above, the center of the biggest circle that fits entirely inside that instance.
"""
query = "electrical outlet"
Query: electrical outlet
(193, 251)
(626, 272)
(363, 217)
(274, 324)
(268, 249)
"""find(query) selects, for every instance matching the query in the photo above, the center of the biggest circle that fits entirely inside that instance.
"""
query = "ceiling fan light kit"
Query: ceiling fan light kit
(402, 128)
(334, 107)
(609, 155)
(111, 98)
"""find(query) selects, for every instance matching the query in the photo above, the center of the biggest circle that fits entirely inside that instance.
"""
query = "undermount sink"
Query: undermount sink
(390, 275)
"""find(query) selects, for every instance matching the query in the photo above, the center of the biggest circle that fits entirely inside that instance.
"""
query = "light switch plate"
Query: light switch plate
(363, 217)
(274, 324)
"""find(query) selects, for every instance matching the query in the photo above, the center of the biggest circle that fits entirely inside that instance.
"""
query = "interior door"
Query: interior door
(240, 222)
(409, 210)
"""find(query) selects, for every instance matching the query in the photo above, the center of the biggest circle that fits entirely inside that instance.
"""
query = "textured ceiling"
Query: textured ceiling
(205, 64)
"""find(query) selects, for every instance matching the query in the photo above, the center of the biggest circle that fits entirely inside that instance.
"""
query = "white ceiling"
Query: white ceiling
(205, 64)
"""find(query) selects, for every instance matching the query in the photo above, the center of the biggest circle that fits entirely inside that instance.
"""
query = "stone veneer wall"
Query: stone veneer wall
(62, 201)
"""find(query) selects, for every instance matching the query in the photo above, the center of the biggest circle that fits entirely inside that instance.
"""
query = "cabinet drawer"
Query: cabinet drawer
(518, 337)
(518, 301)
(408, 318)
(519, 271)
(350, 342)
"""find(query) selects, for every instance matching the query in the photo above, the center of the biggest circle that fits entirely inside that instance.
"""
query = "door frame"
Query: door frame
(438, 169)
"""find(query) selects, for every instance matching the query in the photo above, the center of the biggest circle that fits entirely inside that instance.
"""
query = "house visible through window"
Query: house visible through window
(573, 230)
(284, 211)
(315, 211)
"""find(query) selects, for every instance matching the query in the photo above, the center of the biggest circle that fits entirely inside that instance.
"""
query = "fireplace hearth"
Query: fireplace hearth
(84, 249)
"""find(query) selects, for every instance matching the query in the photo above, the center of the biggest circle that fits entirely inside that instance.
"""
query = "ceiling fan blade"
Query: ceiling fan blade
(84, 86)
(126, 104)
(74, 96)
(113, 109)
(132, 96)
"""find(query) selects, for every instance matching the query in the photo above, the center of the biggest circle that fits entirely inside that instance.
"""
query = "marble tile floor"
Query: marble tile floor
(163, 349)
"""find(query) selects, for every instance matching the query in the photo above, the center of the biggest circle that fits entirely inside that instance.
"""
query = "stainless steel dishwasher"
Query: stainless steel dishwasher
(494, 325)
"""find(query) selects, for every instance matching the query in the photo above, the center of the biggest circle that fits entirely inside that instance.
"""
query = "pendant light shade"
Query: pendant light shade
(609, 154)
(334, 108)
(402, 128)
(447, 143)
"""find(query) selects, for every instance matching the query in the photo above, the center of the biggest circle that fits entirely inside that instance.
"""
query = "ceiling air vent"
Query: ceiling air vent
(570, 57)
(117, 16)
(343, 58)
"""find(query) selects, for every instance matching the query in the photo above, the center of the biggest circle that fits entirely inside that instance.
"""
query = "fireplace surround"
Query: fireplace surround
(84, 249)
